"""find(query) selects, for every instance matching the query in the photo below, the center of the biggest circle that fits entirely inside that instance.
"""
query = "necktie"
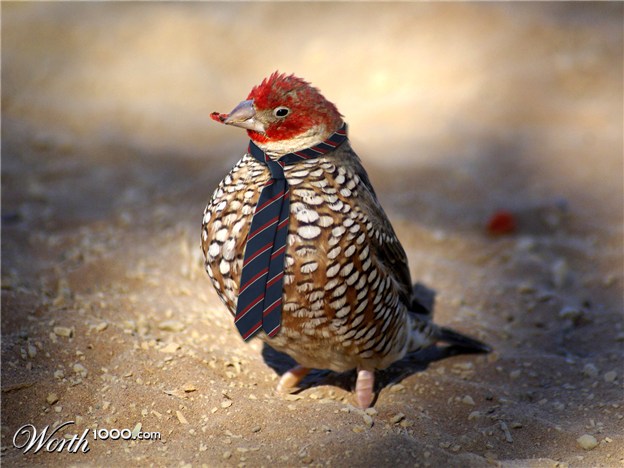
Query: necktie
(260, 291)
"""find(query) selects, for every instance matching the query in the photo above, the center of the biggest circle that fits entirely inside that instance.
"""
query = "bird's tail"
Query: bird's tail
(462, 341)
(424, 333)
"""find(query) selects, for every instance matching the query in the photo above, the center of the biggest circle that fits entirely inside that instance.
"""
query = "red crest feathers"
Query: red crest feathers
(272, 89)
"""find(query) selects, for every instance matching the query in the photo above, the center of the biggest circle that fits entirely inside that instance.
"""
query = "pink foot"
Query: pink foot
(291, 379)
(364, 388)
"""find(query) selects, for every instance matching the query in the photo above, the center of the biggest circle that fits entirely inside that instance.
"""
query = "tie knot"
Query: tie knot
(276, 168)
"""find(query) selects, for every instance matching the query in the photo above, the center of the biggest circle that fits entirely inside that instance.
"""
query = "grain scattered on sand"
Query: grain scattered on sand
(590, 370)
(181, 418)
(65, 332)
(171, 326)
(587, 442)
(505, 429)
(468, 400)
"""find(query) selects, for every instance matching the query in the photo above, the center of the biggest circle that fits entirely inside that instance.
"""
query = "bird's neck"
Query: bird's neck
(307, 139)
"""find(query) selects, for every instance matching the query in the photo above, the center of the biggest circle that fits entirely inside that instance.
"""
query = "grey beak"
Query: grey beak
(244, 116)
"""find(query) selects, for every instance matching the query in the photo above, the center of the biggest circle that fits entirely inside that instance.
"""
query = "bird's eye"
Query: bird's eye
(281, 111)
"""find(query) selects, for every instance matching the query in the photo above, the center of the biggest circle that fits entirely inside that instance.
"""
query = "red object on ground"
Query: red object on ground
(501, 223)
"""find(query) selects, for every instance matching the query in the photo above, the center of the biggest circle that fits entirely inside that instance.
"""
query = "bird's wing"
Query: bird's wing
(384, 241)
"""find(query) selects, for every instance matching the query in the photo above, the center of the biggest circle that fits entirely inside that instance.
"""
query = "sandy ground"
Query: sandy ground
(458, 110)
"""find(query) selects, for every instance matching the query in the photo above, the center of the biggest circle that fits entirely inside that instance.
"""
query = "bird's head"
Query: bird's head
(284, 114)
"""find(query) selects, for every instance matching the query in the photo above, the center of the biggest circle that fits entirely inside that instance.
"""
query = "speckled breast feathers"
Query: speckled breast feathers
(346, 280)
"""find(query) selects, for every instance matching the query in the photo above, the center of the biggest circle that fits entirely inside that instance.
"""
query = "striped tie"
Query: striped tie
(260, 292)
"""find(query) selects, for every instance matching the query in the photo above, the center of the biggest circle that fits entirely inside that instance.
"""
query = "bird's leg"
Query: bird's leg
(291, 379)
(364, 388)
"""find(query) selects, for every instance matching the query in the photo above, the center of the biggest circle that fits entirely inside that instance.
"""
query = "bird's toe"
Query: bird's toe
(290, 379)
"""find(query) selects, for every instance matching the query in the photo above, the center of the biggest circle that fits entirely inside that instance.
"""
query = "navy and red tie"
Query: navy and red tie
(260, 292)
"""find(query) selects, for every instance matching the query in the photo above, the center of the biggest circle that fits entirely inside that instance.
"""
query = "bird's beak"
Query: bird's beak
(243, 115)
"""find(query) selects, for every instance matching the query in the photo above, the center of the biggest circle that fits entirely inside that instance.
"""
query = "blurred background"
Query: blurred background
(459, 111)
(533, 86)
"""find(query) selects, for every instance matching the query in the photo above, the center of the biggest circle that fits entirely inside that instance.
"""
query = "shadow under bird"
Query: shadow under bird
(300, 250)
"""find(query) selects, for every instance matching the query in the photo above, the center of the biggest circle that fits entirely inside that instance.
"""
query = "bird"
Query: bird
(345, 296)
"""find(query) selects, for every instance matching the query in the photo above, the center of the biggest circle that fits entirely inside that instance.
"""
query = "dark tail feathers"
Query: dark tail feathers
(423, 299)
(457, 339)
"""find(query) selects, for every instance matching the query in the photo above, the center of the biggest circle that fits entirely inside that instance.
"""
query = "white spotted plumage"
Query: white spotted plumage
(347, 293)
(346, 260)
